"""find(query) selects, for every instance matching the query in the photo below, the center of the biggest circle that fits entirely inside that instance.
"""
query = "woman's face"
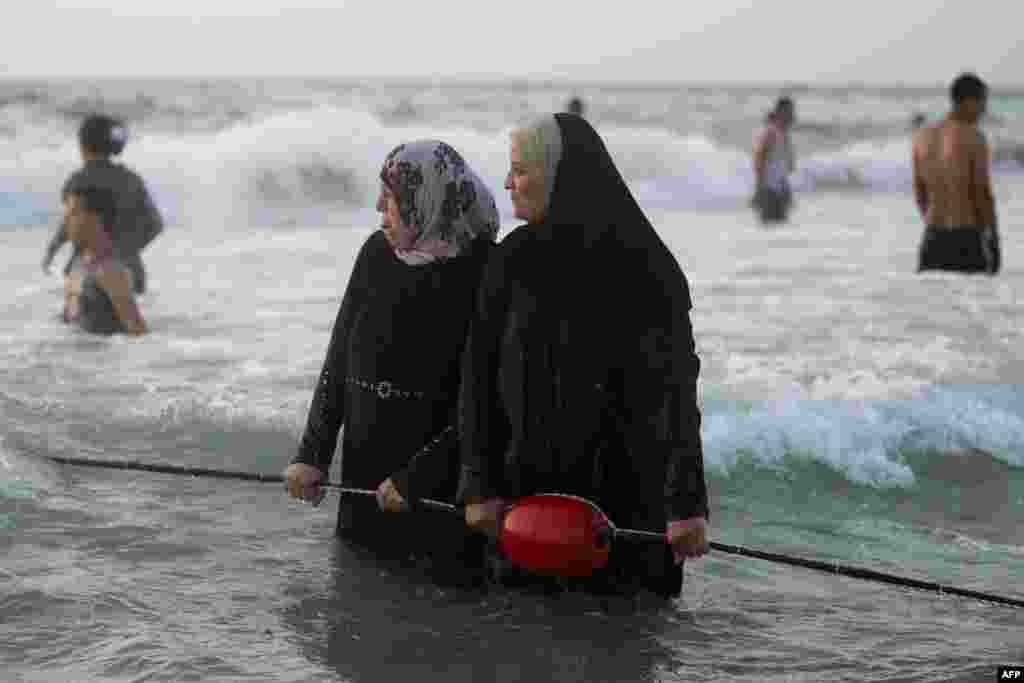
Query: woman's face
(398, 235)
(525, 183)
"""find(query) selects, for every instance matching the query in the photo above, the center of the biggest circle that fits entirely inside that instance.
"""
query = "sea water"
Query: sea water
(853, 411)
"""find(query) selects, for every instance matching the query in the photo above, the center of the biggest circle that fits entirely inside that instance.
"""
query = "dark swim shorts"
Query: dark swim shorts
(772, 205)
(966, 249)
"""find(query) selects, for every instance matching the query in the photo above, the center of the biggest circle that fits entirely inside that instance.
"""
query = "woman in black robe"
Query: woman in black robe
(391, 375)
(580, 375)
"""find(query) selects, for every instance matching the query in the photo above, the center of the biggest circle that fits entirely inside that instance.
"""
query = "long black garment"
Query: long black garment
(580, 373)
(391, 379)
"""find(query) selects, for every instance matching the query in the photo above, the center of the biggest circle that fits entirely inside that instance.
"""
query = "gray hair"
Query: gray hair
(540, 143)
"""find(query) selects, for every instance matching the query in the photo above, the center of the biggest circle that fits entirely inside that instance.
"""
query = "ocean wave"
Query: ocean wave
(868, 441)
(302, 165)
(879, 442)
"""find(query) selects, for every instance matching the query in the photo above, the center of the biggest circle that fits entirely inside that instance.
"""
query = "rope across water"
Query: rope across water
(642, 536)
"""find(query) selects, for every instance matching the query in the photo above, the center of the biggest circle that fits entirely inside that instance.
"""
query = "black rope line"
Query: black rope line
(229, 474)
(864, 574)
(632, 534)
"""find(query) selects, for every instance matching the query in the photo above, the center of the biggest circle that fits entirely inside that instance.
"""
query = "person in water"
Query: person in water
(576, 105)
(774, 161)
(391, 374)
(953, 187)
(580, 373)
(101, 138)
(98, 293)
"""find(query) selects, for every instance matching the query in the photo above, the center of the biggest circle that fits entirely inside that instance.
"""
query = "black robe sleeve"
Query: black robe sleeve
(327, 409)
(660, 395)
(430, 468)
(433, 471)
(482, 422)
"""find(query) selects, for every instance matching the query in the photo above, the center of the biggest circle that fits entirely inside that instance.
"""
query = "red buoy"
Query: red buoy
(556, 534)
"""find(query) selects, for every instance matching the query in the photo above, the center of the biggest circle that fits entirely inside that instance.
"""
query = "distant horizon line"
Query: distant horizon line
(526, 81)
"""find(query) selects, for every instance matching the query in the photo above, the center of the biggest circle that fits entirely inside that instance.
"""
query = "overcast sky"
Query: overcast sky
(885, 42)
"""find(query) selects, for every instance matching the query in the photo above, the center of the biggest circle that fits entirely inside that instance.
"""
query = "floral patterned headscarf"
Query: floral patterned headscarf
(440, 199)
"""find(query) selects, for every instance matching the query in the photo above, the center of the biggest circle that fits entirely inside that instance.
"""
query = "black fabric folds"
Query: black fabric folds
(580, 371)
(391, 378)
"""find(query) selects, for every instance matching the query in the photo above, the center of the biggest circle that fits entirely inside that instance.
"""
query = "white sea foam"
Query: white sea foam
(300, 165)
(865, 438)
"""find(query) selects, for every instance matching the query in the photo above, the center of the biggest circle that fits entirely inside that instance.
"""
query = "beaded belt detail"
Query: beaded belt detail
(384, 389)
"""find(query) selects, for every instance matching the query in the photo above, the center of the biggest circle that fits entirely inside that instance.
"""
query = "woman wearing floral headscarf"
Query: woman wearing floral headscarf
(391, 375)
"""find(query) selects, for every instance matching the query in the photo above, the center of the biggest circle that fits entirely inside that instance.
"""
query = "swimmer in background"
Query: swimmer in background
(774, 160)
(953, 187)
(576, 106)
(98, 293)
(100, 139)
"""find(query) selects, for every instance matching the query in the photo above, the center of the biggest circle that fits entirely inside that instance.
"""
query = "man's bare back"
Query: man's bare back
(951, 175)
(953, 187)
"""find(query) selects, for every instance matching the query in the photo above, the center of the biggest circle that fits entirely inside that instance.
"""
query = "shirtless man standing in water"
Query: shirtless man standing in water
(952, 186)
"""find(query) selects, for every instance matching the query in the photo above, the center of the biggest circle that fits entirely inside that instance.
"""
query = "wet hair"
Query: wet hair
(97, 200)
(102, 135)
(784, 102)
(966, 86)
